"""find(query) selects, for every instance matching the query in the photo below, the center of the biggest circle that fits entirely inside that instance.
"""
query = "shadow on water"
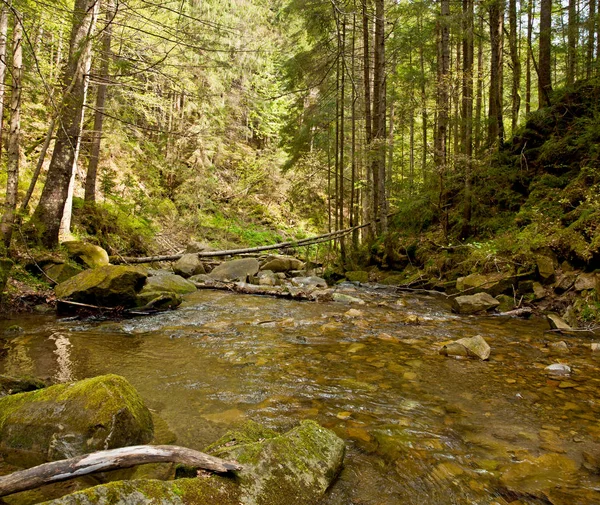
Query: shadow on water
(420, 428)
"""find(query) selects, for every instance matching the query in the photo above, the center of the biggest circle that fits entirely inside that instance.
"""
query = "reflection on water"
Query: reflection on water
(420, 428)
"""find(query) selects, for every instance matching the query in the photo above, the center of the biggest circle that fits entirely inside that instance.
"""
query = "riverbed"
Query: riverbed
(420, 428)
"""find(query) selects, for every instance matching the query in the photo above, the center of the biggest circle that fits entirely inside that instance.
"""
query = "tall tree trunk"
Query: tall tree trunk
(379, 120)
(530, 14)
(3, 45)
(516, 65)
(48, 214)
(479, 93)
(443, 103)
(424, 118)
(467, 112)
(14, 134)
(589, 60)
(545, 58)
(572, 36)
(353, 202)
(368, 187)
(342, 136)
(496, 123)
(92, 171)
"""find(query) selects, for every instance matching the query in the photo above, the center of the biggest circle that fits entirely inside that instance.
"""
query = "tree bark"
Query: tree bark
(113, 459)
(479, 93)
(516, 65)
(3, 63)
(495, 116)
(92, 171)
(572, 37)
(14, 134)
(530, 14)
(368, 187)
(545, 57)
(48, 214)
(589, 60)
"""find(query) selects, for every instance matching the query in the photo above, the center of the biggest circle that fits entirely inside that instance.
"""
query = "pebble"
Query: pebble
(558, 369)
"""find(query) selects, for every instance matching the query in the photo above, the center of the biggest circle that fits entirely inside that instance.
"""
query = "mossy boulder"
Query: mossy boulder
(279, 264)
(494, 284)
(159, 300)
(167, 283)
(5, 268)
(472, 304)
(295, 468)
(358, 276)
(61, 272)
(67, 420)
(108, 286)
(236, 270)
(87, 254)
(189, 265)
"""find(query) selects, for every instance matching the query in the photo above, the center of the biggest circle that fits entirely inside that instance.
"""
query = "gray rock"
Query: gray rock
(570, 316)
(201, 279)
(546, 267)
(472, 346)
(586, 282)
(196, 247)
(342, 298)
(559, 369)
(236, 270)
(189, 265)
(557, 323)
(565, 281)
(506, 303)
(67, 420)
(268, 278)
(538, 291)
(472, 304)
(494, 284)
(88, 254)
(282, 264)
(309, 282)
(107, 286)
(159, 300)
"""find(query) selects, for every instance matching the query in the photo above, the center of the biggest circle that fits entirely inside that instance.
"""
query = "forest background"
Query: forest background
(465, 132)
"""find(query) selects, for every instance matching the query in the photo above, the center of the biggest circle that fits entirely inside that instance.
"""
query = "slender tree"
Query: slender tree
(496, 121)
(3, 65)
(515, 58)
(545, 58)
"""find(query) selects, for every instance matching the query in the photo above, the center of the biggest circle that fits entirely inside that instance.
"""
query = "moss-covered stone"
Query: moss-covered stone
(291, 469)
(189, 265)
(494, 284)
(90, 255)
(5, 268)
(69, 419)
(61, 272)
(159, 300)
(167, 283)
(236, 270)
(109, 286)
(14, 385)
(282, 264)
(358, 276)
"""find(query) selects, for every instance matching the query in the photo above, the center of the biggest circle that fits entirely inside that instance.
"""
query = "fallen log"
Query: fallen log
(288, 292)
(113, 459)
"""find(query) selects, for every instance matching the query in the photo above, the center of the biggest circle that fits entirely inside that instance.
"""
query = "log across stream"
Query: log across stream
(420, 428)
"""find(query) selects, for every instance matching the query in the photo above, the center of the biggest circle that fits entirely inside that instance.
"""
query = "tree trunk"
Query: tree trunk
(530, 14)
(516, 65)
(496, 124)
(92, 171)
(545, 58)
(3, 44)
(14, 134)
(368, 190)
(572, 36)
(589, 60)
(479, 93)
(48, 214)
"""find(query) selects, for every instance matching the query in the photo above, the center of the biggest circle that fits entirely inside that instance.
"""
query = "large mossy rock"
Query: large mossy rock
(279, 264)
(236, 270)
(88, 254)
(474, 303)
(189, 265)
(67, 420)
(5, 268)
(291, 469)
(108, 286)
(61, 272)
(167, 283)
(494, 284)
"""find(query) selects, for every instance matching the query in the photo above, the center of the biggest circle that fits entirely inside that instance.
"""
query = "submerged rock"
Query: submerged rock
(189, 265)
(236, 270)
(471, 304)
(88, 254)
(558, 369)
(108, 286)
(295, 468)
(474, 346)
(67, 420)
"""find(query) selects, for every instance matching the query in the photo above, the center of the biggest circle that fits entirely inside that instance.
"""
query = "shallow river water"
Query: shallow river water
(420, 428)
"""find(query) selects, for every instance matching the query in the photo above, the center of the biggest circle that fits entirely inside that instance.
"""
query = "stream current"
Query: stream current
(420, 428)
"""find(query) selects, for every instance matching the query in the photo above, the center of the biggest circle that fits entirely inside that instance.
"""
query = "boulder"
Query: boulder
(538, 291)
(197, 247)
(282, 264)
(5, 268)
(586, 282)
(358, 276)
(309, 282)
(565, 281)
(67, 420)
(546, 267)
(189, 265)
(167, 283)
(268, 278)
(342, 298)
(87, 254)
(472, 304)
(108, 286)
(475, 347)
(236, 270)
(494, 284)
(159, 300)
(506, 303)
(295, 468)
(61, 272)
(557, 323)
(14, 385)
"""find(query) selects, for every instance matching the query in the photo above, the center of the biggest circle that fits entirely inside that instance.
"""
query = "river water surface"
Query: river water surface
(420, 428)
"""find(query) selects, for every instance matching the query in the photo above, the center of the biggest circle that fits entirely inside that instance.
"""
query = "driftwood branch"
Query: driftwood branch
(288, 292)
(114, 459)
